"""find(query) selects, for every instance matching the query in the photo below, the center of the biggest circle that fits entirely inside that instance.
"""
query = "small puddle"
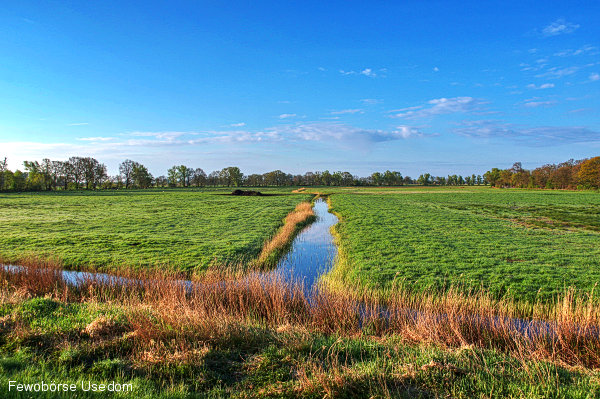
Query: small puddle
(313, 251)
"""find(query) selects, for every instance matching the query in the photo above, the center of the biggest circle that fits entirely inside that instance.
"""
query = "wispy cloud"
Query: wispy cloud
(535, 104)
(78, 124)
(287, 116)
(347, 111)
(240, 124)
(169, 135)
(587, 49)
(535, 136)
(344, 135)
(95, 138)
(540, 87)
(146, 145)
(441, 106)
(371, 101)
(559, 27)
(557, 73)
(594, 77)
(369, 72)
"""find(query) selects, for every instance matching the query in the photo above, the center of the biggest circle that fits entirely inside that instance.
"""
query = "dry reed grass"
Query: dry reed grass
(301, 215)
(162, 308)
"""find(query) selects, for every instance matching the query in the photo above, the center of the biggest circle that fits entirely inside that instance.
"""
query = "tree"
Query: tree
(17, 181)
(424, 179)
(3, 169)
(589, 173)
(126, 171)
(199, 177)
(326, 178)
(140, 176)
(184, 174)
(377, 178)
(492, 176)
(161, 181)
(173, 176)
(93, 172)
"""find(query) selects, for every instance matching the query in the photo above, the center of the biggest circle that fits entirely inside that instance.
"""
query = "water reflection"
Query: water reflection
(313, 251)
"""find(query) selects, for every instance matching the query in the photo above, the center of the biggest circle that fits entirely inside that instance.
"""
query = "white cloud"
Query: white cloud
(535, 104)
(96, 138)
(408, 131)
(169, 136)
(78, 124)
(152, 146)
(368, 72)
(556, 73)
(371, 101)
(587, 49)
(559, 27)
(345, 135)
(238, 124)
(536, 136)
(594, 77)
(436, 69)
(347, 111)
(440, 106)
(286, 116)
(542, 86)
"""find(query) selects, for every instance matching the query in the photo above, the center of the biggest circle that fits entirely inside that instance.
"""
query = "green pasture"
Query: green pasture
(529, 243)
(180, 229)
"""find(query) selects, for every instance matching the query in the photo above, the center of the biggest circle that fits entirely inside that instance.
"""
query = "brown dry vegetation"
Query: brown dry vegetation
(299, 217)
(161, 309)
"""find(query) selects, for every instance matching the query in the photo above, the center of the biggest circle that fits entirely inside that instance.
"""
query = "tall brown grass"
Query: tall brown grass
(300, 216)
(566, 331)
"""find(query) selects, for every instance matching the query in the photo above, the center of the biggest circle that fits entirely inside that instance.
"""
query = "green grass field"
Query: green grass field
(180, 229)
(529, 243)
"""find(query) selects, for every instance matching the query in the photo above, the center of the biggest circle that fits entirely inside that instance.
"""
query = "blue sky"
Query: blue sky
(415, 86)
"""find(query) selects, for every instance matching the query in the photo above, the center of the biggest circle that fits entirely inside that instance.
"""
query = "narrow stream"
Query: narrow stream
(313, 251)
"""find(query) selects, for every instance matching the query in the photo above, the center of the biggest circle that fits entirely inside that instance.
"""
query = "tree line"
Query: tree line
(78, 173)
(581, 174)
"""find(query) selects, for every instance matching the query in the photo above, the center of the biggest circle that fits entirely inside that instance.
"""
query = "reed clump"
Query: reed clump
(272, 250)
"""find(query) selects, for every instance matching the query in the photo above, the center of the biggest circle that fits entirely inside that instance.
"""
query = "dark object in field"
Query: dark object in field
(248, 193)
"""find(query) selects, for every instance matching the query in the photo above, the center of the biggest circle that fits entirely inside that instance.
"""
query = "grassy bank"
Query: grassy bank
(176, 229)
(528, 244)
(276, 247)
(264, 338)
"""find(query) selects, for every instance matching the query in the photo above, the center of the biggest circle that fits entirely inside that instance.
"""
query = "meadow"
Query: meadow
(183, 230)
(453, 267)
(528, 244)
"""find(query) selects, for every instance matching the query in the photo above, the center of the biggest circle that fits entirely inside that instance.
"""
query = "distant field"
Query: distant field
(183, 229)
(523, 241)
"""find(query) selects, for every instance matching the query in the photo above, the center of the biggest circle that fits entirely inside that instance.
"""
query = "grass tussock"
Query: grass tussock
(302, 215)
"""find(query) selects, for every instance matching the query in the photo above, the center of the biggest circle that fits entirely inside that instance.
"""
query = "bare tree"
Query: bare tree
(126, 170)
